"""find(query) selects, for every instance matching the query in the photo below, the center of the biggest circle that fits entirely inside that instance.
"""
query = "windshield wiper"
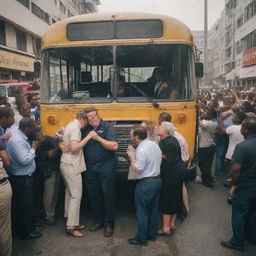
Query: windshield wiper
(154, 103)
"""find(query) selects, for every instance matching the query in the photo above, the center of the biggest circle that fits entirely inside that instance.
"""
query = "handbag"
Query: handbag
(190, 173)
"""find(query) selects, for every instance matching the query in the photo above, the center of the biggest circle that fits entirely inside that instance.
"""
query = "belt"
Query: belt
(3, 180)
(150, 178)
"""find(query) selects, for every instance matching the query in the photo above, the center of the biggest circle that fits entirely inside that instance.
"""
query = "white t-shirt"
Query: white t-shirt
(235, 137)
(73, 132)
(183, 146)
(207, 129)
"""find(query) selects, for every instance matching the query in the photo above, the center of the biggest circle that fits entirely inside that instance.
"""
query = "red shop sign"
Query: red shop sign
(249, 57)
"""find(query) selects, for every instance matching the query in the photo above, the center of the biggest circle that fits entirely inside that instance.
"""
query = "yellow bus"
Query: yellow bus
(88, 59)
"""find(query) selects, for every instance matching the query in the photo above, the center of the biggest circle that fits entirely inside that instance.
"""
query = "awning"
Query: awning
(249, 72)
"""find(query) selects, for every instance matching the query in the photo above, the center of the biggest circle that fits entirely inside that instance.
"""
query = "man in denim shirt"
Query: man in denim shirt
(21, 172)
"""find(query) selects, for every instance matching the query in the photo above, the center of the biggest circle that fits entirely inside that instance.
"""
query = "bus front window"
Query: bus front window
(77, 75)
(161, 72)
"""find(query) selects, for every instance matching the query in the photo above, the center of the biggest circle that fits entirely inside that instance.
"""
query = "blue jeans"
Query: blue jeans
(221, 149)
(243, 215)
(147, 208)
(100, 181)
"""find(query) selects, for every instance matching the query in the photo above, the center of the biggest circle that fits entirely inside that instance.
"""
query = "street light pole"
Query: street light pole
(205, 36)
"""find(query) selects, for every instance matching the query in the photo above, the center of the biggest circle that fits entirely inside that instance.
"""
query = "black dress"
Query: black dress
(172, 174)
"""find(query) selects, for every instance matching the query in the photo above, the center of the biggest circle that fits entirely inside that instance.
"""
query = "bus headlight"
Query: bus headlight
(181, 118)
(52, 119)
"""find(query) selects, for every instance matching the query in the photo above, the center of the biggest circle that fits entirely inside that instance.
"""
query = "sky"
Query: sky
(191, 12)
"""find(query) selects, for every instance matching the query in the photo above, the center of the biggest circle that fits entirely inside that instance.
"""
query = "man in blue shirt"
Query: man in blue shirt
(145, 162)
(100, 174)
(21, 172)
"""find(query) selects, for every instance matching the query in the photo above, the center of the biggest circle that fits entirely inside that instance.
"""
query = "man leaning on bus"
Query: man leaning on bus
(100, 175)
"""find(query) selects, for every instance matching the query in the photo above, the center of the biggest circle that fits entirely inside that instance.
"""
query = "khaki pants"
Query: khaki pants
(73, 194)
(51, 194)
(5, 219)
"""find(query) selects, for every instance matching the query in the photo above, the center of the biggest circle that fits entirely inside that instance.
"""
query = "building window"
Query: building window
(239, 47)
(40, 13)
(250, 10)
(2, 33)
(240, 21)
(24, 2)
(21, 39)
(62, 8)
(37, 47)
(228, 53)
(249, 41)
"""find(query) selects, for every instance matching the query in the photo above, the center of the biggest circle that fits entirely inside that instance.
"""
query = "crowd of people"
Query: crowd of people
(32, 165)
(227, 131)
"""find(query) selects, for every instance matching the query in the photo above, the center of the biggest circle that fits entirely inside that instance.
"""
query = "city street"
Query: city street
(200, 234)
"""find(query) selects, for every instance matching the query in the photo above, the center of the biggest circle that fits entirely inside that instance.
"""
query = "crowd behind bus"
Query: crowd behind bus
(35, 164)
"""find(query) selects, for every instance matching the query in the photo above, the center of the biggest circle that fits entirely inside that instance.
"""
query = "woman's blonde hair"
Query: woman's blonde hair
(150, 127)
(81, 114)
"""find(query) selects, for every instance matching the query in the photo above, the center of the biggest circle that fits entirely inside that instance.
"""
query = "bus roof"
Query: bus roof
(173, 30)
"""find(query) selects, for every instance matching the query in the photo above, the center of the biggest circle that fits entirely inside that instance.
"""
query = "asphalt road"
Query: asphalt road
(200, 234)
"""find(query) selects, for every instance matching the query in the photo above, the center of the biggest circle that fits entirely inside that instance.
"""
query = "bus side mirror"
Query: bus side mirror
(37, 66)
(199, 70)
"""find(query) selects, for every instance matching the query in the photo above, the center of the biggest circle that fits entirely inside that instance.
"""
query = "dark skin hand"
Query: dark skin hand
(235, 173)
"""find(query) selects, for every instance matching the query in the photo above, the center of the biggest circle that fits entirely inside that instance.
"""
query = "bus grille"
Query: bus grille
(123, 139)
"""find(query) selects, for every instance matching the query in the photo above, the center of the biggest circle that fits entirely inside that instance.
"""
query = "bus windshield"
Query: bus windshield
(127, 73)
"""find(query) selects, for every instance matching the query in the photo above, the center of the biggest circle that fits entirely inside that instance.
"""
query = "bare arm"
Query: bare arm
(107, 144)
(174, 95)
(76, 145)
(5, 158)
(235, 173)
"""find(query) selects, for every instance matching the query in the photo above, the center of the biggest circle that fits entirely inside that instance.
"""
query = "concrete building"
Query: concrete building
(22, 24)
(215, 69)
(198, 36)
(232, 41)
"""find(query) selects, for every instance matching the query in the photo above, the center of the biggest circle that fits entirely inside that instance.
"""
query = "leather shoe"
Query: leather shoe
(96, 227)
(135, 241)
(34, 234)
(228, 245)
(108, 232)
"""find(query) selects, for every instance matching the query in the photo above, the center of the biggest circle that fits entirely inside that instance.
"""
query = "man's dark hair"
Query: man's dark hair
(30, 97)
(241, 116)
(212, 113)
(247, 107)
(165, 116)
(5, 112)
(250, 124)
(35, 131)
(26, 122)
(141, 132)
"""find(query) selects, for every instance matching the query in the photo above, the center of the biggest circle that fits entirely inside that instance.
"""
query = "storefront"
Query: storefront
(15, 65)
